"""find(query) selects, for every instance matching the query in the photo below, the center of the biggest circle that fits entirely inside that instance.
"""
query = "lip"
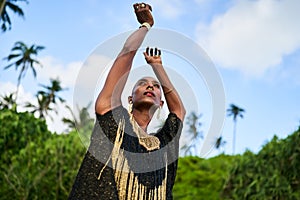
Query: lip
(149, 93)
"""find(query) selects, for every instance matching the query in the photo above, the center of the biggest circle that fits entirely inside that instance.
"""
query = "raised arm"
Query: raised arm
(173, 100)
(110, 95)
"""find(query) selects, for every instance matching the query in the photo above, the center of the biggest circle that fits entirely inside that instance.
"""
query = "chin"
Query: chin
(148, 103)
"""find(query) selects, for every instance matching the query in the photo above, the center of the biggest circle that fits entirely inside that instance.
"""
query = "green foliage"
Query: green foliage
(44, 171)
(17, 131)
(273, 173)
(36, 164)
(82, 122)
(199, 178)
(8, 102)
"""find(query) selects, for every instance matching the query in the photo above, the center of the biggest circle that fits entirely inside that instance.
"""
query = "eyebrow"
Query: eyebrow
(145, 80)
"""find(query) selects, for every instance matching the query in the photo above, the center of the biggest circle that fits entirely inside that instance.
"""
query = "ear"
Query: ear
(161, 103)
(129, 99)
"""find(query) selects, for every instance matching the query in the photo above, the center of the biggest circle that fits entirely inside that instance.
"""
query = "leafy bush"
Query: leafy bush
(271, 174)
(17, 131)
(199, 178)
(36, 164)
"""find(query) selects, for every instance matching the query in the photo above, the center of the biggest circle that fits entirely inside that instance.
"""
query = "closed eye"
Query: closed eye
(156, 85)
(142, 83)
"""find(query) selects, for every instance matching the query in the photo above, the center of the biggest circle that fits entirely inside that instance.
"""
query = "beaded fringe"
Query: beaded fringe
(127, 183)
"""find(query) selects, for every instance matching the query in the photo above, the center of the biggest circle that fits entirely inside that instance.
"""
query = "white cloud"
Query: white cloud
(90, 78)
(7, 88)
(53, 68)
(169, 9)
(252, 36)
(67, 74)
(23, 96)
(80, 78)
(55, 124)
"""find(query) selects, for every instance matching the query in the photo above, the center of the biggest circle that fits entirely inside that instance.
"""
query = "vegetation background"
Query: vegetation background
(38, 164)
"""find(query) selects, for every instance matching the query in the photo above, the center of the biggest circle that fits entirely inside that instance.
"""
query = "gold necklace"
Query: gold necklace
(150, 142)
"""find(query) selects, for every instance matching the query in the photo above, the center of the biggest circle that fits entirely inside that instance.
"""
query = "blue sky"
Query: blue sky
(255, 46)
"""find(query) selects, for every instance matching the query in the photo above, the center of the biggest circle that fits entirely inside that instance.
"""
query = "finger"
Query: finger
(151, 52)
(145, 54)
(136, 6)
(159, 52)
(140, 6)
(146, 57)
(143, 5)
(155, 51)
(147, 50)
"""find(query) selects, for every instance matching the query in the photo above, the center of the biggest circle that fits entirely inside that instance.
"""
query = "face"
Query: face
(146, 92)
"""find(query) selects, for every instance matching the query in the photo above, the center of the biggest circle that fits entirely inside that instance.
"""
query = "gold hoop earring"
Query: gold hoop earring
(158, 112)
(130, 105)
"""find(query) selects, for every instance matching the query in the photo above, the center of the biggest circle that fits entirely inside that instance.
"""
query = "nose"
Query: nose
(150, 87)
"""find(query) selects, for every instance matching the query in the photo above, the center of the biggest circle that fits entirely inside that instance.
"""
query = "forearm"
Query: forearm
(134, 41)
(118, 74)
(110, 95)
(123, 63)
(172, 97)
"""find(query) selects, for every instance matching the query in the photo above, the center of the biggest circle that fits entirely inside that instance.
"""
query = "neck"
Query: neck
(143, 118)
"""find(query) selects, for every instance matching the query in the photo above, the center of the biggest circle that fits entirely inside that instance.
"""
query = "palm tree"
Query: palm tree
(2, 5)
(82, 120)
(8, 102)
(236, 112)
(24, 61)
(42, 108)
(47, 98)
(83, 123)
(220, 142)
(195, 134)
(51, 92)
(5, 19)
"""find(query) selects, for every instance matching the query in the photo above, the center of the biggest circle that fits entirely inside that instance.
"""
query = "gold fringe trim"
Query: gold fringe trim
(127, 183)
(150, 142)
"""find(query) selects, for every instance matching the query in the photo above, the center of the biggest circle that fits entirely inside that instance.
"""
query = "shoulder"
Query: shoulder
(171, 128)
(173, 120)
(116, 112)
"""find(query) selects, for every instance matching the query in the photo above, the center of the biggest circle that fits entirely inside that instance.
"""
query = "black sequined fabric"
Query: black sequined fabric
(149, 167)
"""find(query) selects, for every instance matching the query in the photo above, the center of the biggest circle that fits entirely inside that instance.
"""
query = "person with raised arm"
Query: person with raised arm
(137, 165)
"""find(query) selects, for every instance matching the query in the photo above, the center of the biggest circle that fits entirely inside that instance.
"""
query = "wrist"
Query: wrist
(156, 64)
(146, 24)
(168, 91)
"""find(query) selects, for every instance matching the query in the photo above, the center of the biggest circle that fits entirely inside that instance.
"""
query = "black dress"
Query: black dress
(124, 163)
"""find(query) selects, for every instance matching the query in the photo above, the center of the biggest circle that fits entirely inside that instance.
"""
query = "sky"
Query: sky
(253, 44)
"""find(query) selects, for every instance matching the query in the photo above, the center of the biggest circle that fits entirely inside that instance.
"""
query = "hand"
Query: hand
(152, 56)
(143, 13)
